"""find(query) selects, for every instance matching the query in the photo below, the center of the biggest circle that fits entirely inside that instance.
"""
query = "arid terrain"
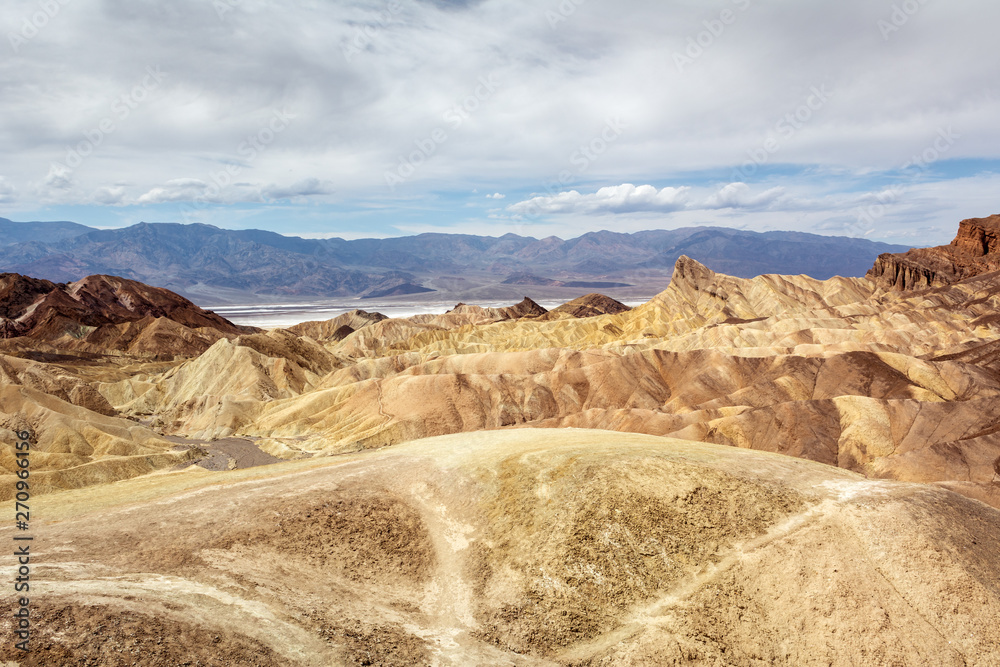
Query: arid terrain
(742, 471)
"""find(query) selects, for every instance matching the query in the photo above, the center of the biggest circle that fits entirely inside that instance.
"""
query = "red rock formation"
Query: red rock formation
(975, 250)
(17, 292)
(103, 313)
(978, 237)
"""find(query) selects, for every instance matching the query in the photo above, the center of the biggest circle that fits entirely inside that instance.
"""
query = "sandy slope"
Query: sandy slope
(529, 547)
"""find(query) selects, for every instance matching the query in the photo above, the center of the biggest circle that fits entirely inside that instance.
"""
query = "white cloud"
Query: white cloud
(740, 195)
(625, 198)
(305, 188)
(496, 195)
(110, 196)
(555, 89)
(58, 178)
(182, 190)
(176, 190)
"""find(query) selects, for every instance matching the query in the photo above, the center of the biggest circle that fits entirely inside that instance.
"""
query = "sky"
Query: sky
(873, 118)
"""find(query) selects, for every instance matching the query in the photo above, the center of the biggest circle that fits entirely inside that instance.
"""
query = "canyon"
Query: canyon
(774, 469)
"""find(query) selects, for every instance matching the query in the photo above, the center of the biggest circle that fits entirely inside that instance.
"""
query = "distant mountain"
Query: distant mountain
(528, 279)
(749, 254)
(205, 260)
(182, 257)
(47, 232)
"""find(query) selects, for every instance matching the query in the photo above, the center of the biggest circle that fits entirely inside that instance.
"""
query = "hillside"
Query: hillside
(519, 548)
(102, 314)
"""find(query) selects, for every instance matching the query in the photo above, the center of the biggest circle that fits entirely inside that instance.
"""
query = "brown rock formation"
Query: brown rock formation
(339, 327)
(975, 250)
(101, 314)
(591, 305)
(464, 314)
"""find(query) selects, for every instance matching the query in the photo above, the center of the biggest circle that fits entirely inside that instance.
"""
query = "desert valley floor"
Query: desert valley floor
(776, 470)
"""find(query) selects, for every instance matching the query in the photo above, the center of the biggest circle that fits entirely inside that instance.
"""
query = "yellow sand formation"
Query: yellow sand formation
(835, 371)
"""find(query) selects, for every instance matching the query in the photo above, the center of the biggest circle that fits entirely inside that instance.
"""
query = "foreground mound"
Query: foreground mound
(529, 547)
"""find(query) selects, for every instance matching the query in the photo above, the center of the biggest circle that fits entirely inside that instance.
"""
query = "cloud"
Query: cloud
(110, 196)
(496, 195)
(304, 188)
(222, 192)
(58, 178)
(176, 190)
(625, 198)
(740, 195)
(7, 191)
(541, 120)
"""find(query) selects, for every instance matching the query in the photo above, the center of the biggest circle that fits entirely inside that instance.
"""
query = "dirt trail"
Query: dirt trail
(449, 599)
(227, 453)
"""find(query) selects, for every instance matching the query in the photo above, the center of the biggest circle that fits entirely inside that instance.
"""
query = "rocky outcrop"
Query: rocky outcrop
(975, 250)
(591, 305)
(339, 327)
(468, 314)
(464, 314)
(978, 237)
(17, 292)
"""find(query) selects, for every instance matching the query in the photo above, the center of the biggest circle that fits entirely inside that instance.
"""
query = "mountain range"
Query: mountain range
(208, 264)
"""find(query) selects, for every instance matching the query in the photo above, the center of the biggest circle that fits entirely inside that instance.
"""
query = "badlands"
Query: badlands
(776, 470)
